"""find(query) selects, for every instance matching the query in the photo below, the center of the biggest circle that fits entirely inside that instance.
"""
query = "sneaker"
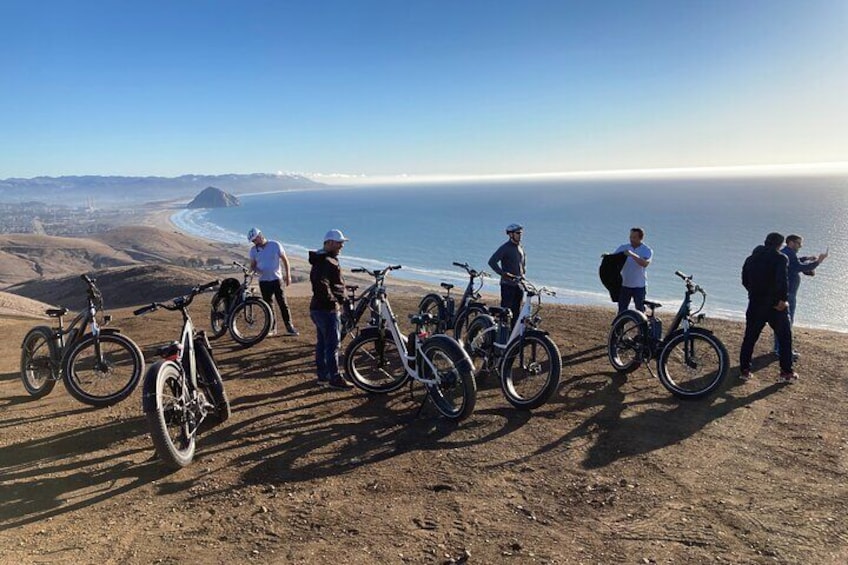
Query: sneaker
(322, 382)
(291, 331)
(272, 332)
(792, 376)
(745, 376)
(795, 356)
(338, 383)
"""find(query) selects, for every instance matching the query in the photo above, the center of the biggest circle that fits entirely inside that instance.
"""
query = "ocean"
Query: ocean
(704, 227)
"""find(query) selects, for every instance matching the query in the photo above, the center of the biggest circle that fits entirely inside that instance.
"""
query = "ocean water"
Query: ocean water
(703, 227)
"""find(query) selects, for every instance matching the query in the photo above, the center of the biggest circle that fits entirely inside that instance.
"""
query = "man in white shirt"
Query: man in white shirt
(633, 277)
(268, 260)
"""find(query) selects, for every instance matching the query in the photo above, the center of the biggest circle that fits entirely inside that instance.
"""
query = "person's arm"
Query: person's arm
(642, 262)
(337, 283)
(495, 259)
(287, 270)
(782, 283)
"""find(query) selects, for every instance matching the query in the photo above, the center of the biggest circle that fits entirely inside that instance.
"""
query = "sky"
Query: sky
(407, 87)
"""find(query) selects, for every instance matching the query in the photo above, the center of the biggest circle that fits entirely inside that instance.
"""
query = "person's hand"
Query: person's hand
(287, 279)
(781, 306)
(823, 256)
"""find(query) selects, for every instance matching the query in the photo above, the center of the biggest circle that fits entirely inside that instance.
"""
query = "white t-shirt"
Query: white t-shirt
(632, 274)
(268, 263)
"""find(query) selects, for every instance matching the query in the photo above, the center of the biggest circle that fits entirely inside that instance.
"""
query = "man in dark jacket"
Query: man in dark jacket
(765, 276)
(509, 262)
(327, 294)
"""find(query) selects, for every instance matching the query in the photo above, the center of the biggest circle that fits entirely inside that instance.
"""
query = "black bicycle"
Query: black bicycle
(99, 367)
(444, 308)
(354, 307)
(184, 389)
(236, 308)
(691, 361)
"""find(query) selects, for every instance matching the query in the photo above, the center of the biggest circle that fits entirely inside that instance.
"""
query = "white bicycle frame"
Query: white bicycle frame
(384, 310)
(520, 326)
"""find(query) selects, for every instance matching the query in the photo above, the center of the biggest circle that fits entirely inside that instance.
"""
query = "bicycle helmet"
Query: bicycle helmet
(253, 234)
(514, 227)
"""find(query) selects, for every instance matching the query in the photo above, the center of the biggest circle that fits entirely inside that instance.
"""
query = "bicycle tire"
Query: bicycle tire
(373, 363)
(456, 393)
(480, 340)
(626, 341)
(218, 317)
(250, 321)
(678, 374)
(522, 386)
(210, 381)
(39, 354)
(432, 304)
(169, 419)
(103, 385)
(464, 319)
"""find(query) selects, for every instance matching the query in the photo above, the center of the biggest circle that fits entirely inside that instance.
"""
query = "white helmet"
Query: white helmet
(514, 227)
(252, 234)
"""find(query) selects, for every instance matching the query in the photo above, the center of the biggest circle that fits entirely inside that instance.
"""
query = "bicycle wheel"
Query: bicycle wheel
(218, 317)
(250, 321)
(479, 343)
(105, 380)
(38, 367)
(432, 304)
(172, 426)
(464, 319)
(373, 363)
(626, 342)
(531, 370)
(455, 392)
(692, 365)
(210, 381)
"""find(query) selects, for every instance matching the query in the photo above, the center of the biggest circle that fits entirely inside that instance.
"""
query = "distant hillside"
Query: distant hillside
(105, 190)
(121, 286)
(212, 197)
(13, 305)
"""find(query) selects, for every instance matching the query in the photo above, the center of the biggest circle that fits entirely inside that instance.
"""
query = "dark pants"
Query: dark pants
(756, 318)
(327, 326)
(511, 297)
(792, 299)
(628, 292)
(274, 288)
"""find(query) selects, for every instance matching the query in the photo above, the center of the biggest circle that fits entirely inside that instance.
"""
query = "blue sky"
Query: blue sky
(412, 87)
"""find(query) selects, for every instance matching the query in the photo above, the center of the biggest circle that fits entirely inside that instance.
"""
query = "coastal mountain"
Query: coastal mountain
(212, 197)
(104, 190)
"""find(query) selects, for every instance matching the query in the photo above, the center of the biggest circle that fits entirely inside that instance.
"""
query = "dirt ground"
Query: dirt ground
(611, 470)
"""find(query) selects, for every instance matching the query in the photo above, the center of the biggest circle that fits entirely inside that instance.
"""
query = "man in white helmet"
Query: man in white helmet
(268, 259)
(509, 262)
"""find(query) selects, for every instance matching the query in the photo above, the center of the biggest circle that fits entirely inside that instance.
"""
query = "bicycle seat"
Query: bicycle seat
(422, 319)
(447, 286)
(652, 305)
(497, 311)
(351, 287)
(56, 312)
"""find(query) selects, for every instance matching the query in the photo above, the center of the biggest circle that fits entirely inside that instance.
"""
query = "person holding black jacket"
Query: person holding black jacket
(765, 275)
(327, 293)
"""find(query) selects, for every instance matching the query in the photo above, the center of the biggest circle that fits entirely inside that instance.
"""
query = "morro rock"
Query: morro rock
(211, 197)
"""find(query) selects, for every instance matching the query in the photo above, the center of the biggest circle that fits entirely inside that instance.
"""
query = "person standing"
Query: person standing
(765, 277)
(797, 266)
(268, 259)
(327, 293)
(509, 261)
(634, 280)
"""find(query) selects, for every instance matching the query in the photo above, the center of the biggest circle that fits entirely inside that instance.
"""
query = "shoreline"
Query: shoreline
(428, 280)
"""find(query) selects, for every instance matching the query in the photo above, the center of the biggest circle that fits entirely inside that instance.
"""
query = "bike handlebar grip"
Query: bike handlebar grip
(358, 270)
(395, 267)
(460, 264)
(683, 276)
(86, 278)
(144, 310)
(208, 285)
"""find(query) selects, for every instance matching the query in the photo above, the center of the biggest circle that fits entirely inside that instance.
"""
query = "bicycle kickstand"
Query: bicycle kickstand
(423, 402)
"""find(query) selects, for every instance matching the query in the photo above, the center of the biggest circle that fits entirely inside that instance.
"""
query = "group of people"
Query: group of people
(771, 275)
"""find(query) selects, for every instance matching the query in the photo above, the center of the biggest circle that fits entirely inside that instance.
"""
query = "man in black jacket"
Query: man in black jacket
(327, 294)
(765, 275)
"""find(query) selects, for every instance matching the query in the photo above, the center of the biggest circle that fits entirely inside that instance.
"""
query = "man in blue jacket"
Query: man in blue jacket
(797, 266)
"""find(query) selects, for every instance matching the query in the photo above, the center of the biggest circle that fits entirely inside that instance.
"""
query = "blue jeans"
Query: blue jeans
(638, 296)
(328, 328)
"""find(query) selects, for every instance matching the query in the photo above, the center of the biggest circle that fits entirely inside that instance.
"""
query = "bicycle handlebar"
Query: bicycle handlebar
(178, 302)
(471, 271)
(377, 272)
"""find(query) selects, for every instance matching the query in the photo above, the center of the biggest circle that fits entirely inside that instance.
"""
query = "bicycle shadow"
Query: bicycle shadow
(48, 479)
